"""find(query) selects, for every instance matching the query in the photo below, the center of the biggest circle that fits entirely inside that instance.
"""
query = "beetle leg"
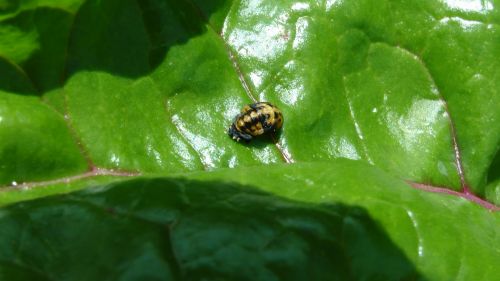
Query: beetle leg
(237, 135)
(241, 136)
(246, 137)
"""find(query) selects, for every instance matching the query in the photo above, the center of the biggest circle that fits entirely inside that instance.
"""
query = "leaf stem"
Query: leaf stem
(464, 194)
(92, 173)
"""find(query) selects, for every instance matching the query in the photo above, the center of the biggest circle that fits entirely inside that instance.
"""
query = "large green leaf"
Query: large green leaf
(318, 221)
(91, 91)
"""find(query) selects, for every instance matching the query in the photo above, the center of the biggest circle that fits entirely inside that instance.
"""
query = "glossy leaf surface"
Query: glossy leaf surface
(152, 86)
(94, 90)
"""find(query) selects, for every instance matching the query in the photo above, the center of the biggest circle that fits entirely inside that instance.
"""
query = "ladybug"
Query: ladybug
(254, 120)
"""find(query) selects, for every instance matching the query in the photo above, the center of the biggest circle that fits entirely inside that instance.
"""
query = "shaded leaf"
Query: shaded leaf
(316, 220)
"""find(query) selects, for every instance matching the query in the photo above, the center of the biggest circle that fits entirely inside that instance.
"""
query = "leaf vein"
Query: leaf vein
(286, 156)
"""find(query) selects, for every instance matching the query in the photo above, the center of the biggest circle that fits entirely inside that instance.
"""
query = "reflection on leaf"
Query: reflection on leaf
(92, 90)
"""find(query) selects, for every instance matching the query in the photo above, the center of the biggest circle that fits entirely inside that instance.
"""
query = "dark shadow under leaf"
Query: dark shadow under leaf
(175, 229)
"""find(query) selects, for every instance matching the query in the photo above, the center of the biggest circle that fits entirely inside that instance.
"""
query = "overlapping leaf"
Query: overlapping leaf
(91, 87)
(320, 221)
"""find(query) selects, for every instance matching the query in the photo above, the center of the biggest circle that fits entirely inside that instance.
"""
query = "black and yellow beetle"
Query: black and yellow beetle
(255, 120)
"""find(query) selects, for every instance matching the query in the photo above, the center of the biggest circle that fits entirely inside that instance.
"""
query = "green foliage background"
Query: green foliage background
(377, 96)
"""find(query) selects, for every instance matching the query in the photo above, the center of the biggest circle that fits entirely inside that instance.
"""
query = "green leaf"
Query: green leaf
(374, 87)
(27, 153)
(92, 91)
(151, 68)
(319, 221)
(41, 35)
